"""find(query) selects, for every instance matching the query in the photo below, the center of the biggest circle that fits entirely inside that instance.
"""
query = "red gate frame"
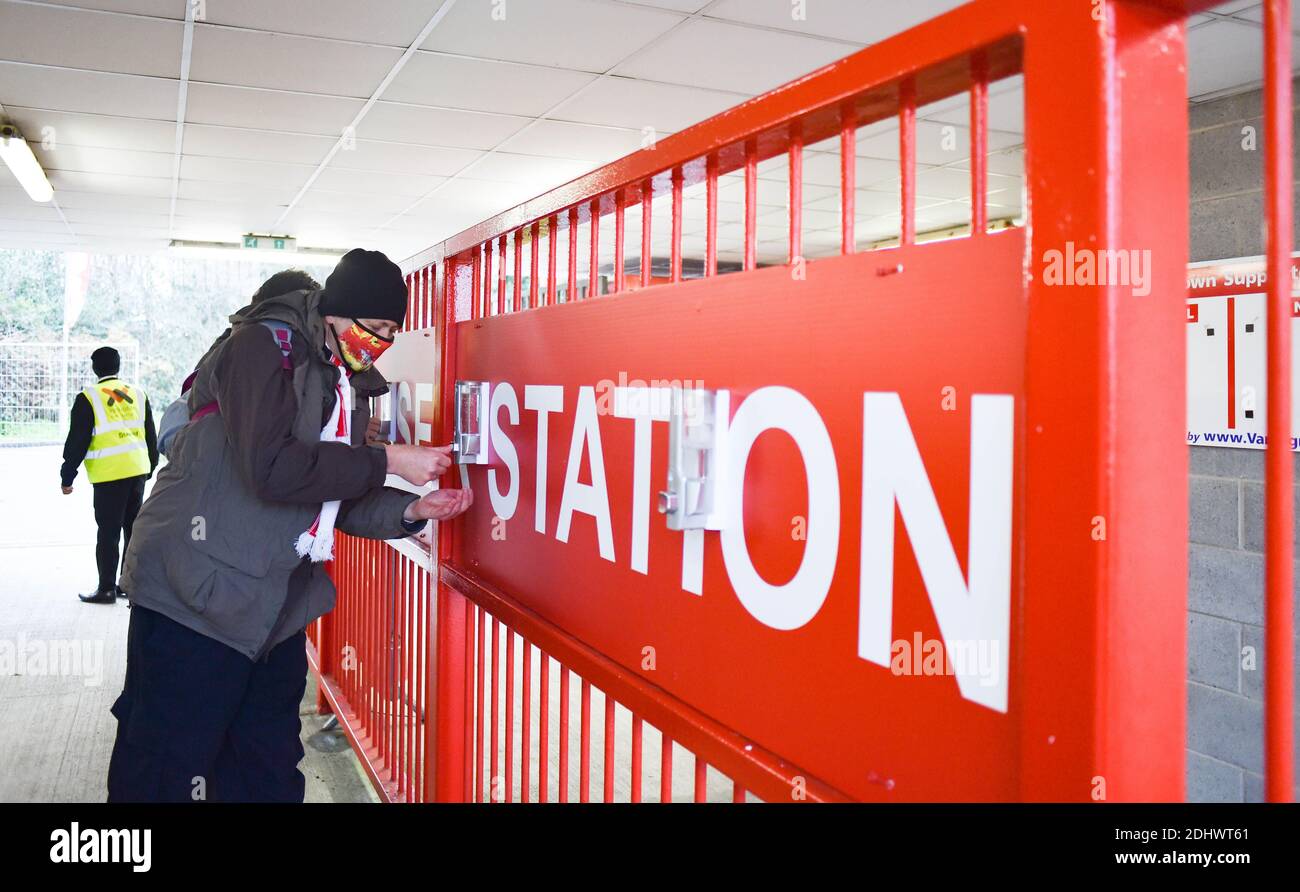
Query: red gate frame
(1103, 623)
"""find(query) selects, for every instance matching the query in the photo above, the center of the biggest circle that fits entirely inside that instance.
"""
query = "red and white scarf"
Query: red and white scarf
(317, 542)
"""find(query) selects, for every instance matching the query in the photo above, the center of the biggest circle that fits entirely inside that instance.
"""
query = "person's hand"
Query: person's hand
(67, 490)
(418, 464)
(372, 432)
(441, 504)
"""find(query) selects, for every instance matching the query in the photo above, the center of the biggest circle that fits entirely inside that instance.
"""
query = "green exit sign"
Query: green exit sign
(269, 242)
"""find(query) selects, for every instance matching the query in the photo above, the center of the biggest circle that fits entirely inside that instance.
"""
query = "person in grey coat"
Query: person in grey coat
(225, 569)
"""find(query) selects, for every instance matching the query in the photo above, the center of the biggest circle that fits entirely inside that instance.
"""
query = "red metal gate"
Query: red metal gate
(989, 443)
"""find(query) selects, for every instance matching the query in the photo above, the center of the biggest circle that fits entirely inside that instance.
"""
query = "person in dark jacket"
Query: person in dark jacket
(110, 429)
(226, 565)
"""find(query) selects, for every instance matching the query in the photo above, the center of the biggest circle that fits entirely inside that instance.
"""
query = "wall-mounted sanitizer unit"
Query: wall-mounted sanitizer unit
(697, 432)
(470, 442)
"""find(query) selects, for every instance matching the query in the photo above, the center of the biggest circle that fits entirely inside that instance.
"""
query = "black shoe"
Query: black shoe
(120, 593)
(107, 596)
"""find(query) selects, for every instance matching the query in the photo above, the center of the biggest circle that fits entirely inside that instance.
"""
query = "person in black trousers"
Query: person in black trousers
(111, 429)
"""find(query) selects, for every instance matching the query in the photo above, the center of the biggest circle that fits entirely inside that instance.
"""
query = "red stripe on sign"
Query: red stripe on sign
(1193, 312)
(1232, 363)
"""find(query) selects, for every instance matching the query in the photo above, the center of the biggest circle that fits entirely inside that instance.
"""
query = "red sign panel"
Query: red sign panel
(856, 612)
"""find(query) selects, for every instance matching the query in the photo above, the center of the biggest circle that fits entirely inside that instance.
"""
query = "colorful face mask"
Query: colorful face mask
(361, 347)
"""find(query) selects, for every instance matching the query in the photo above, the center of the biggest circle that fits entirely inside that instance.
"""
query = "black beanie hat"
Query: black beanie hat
(105, 361)
(365, 285)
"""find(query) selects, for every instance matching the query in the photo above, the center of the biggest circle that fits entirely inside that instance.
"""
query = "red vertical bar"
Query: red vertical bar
(501, 275)
(701, 780)
(619, 227)
(796, 192)
(564, 733)
(412, 676)
(711, 202)
(1279, 493)
(534, 246)
(737, 792)
(475, 291)
(571, 283)
(636, 758)
(510, 715)
(392, 656)
(496, 686)
(552, 234)
(544, 727)
(480, 725)
(467, 783)
(848, 175)
(907, 158)
(517, 293)
(422, 720)
(609, 749)
(447, 744)
(979, 144)
(666, 770)
(584, 757)
(487, 278)
(647, 193)
(526, 728)
(675, 273)
(593, 282)
(751, 203)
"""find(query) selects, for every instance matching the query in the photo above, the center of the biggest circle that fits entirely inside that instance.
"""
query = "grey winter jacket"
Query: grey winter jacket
(213, 545)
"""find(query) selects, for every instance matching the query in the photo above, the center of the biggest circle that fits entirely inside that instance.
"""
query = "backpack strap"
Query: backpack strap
(283, 335)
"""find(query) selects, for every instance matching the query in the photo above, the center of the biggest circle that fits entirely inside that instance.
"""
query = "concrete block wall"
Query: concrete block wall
(1225, 742)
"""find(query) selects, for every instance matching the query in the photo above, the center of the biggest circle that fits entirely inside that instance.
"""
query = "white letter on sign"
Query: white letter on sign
(542, 399)
(503, 395)
(645, 405)
(590, 498)
(892, 470)
(791, 605)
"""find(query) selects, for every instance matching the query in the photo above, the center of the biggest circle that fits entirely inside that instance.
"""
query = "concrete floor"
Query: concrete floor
(56, 732)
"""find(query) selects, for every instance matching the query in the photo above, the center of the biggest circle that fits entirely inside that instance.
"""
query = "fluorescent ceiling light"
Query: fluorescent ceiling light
(235, 251)
(18, 155)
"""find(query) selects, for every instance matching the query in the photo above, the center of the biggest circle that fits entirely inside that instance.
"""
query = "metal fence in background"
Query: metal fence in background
(38, 380)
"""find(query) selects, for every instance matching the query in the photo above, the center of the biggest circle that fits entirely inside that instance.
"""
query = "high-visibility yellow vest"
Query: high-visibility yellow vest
(117, 445)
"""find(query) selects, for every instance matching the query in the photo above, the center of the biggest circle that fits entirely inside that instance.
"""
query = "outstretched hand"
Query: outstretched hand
(441, 504)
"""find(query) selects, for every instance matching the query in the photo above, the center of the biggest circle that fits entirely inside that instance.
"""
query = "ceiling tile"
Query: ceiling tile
(395, 23)
(77, 38)
(396, 157)
(123, 219)
(559, 139)
(113, 184)
(255, 145)
(861, 21)
(111, 161)
(457, 82)
(241, 193)
(250, 215)
(166, 9)
(267, 109)
(708, 53)
(63, 89)
(436, 127)
(629, 102)
(233, 170)
(286, 62)
(372, 182)
(99, 131)
(72, 200)
(341, 203)
(539, 174)
(582, 35)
